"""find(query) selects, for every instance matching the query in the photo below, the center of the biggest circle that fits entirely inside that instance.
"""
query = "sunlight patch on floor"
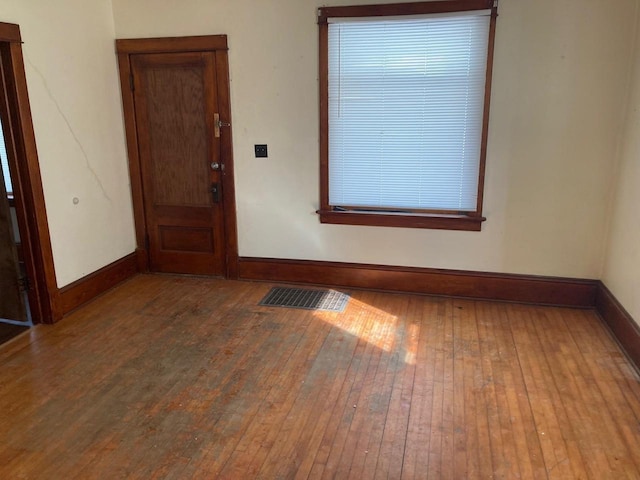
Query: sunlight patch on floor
(368, 323)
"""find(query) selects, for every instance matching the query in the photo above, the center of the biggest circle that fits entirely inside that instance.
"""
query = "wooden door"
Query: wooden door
(176, 101)
(12, 304)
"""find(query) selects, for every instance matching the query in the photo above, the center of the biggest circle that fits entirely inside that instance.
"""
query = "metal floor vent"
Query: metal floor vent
(308, 299)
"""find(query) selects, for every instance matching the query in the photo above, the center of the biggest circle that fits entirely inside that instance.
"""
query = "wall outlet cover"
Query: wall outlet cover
(261, 151)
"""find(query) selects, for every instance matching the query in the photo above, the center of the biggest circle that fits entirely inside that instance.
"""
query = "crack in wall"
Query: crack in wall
(71, 131)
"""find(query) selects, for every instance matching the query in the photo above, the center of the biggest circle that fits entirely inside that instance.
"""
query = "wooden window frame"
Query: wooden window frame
(468, 221)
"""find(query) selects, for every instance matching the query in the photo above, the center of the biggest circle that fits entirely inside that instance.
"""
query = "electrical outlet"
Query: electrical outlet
(261, 151)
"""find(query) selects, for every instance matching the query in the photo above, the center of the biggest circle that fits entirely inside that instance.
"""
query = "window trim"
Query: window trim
(469, 221)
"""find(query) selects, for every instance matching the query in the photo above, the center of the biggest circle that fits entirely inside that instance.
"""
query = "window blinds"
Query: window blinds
(406, 100)
(5, 162)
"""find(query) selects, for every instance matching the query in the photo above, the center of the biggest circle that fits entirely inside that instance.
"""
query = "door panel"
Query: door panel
(12, 305)
(188, 239)
(175, 103)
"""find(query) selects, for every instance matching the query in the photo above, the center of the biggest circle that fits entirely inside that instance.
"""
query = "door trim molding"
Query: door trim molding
(217, 43)
(44, 301)
(135, 174)
(202, 43)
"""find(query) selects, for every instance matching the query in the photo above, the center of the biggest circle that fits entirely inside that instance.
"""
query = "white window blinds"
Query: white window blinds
(406, 99)
(5, 162)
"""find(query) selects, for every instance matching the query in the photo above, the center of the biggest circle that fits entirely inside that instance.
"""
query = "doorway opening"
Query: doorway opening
(14, 304)
(27, 276)
(15, 316)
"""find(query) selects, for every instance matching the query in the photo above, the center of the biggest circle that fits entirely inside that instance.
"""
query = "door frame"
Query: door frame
(125, 48)
(28, 195)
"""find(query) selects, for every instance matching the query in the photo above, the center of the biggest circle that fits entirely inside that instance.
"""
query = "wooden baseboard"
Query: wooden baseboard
(620, 322)
(87, 288)
(489, 286)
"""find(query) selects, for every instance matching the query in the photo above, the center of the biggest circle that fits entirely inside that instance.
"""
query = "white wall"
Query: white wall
(561, 70)
(622, 263)
(560, 89)
(75, 101)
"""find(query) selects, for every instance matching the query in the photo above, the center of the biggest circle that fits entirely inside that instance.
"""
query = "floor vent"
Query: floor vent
(308, 299)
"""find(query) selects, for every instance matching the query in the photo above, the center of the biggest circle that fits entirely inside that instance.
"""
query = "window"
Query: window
(404, 104)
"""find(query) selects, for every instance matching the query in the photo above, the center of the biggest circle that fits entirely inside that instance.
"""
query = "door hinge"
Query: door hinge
(24, 284)
(132, 85)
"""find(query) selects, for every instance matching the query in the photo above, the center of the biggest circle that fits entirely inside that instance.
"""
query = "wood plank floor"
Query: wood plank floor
(181, 378)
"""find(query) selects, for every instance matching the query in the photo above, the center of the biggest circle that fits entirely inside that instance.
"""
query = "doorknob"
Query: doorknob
(215, 166)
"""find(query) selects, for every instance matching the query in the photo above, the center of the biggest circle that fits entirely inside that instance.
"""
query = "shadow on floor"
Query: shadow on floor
(8, 331)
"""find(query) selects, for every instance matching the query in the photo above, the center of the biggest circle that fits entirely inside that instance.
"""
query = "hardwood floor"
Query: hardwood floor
(176, 377)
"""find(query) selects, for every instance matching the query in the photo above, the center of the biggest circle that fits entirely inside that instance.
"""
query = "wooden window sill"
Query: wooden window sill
(406, 220)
